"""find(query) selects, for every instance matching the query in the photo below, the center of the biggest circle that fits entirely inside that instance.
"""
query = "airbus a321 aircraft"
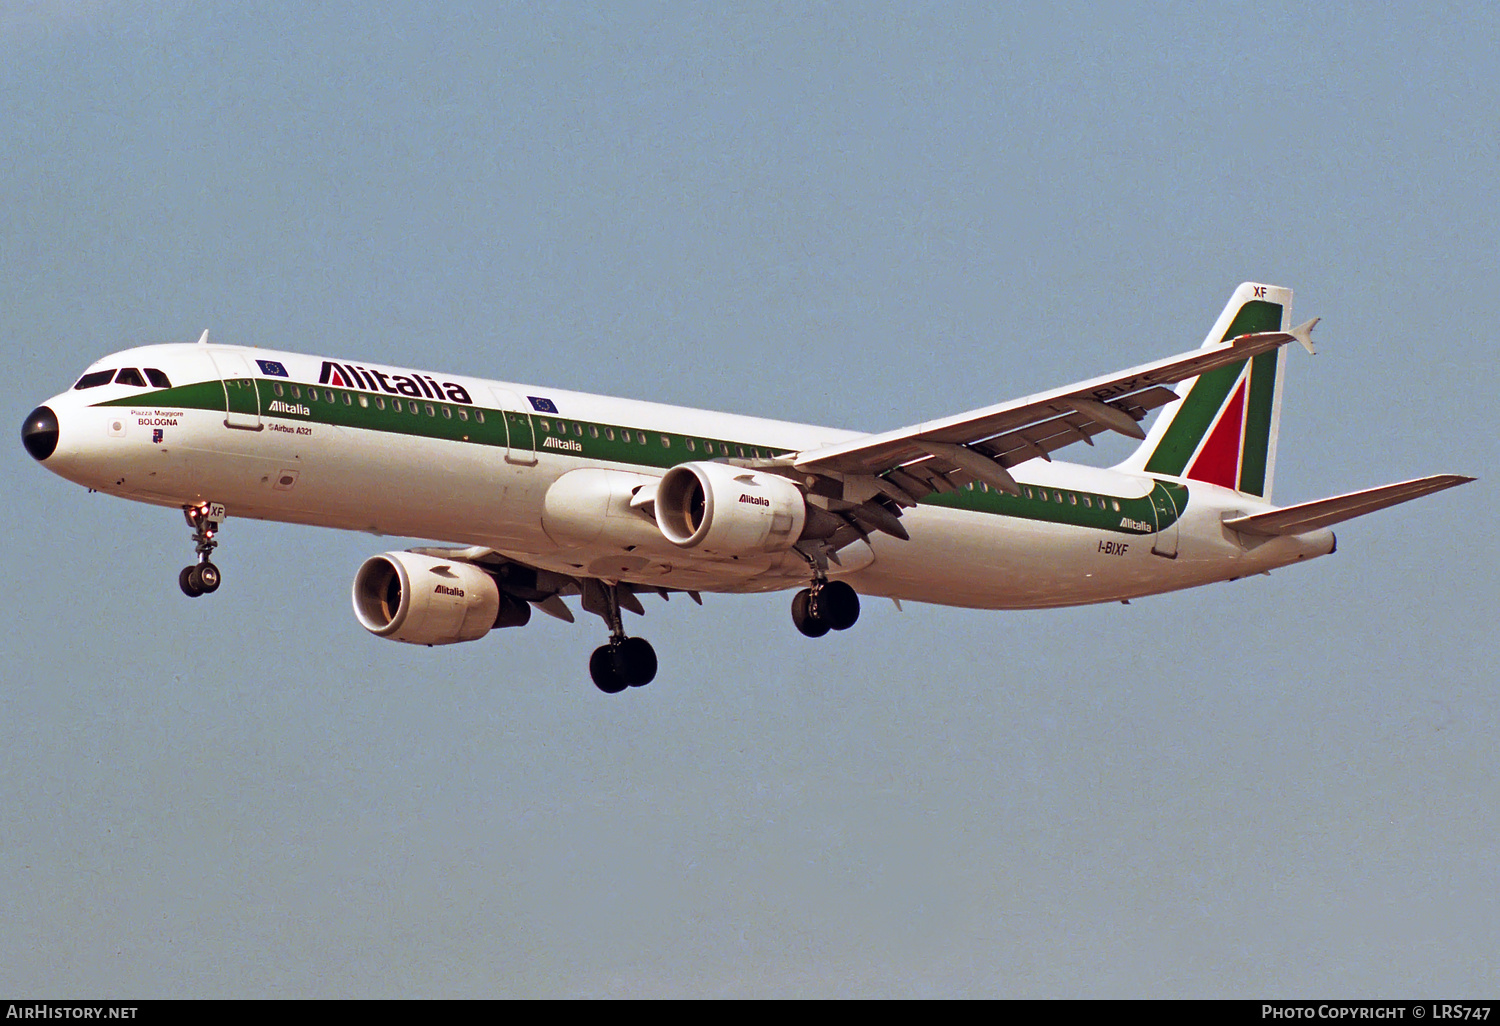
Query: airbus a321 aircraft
(554, 494)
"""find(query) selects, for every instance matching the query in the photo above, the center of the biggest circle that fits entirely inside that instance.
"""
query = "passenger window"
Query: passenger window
(666, 443)
(379, 402)
(479, 416)
(690, 446)
(347, 400)
(447, 413)
(430, 411)
(577, 430)
(594, 430)
(328, 394)
(463, 414)
(609, 433)
(157, 378)
(1073, 498)
(414, 409)
(95, 378)
(544, 425)
(130, 376)
(276, 387)
(640, 436)
(296, 392)
(364, 401)
(1116, 504)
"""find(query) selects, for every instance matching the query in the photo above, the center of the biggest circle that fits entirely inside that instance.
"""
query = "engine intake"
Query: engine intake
(729, 510)
(422, 600)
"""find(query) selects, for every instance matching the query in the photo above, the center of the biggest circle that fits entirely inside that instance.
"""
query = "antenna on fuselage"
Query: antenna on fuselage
(203, 338)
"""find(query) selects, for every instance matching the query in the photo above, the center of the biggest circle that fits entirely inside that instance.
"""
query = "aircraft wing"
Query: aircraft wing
(1309, 516)
(942, 455)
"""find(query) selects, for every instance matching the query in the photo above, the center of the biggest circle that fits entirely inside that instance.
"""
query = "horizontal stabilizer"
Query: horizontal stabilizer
(1309, 516)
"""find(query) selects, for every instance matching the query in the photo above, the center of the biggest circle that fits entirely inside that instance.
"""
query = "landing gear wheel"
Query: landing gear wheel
(838, 605)
(208, 578)
(805, 615)
(187, 580)
(637, 661)
(626, 663)
(604, 670)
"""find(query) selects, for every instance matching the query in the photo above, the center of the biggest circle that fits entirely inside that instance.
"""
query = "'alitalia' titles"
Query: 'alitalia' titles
(562, 443)
(417, 386)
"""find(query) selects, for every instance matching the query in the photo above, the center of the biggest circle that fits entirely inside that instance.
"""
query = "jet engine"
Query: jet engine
(729, 510)
(423, 600)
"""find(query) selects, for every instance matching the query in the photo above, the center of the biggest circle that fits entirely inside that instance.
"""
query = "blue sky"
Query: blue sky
(850, 214)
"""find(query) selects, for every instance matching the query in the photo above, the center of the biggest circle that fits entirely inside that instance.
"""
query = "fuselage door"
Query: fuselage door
(1164, 505)
(241, 399)
(519, 432)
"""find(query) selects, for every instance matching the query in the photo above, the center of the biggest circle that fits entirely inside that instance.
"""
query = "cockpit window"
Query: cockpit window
(130, 376)
(93, 379)
(157, 378)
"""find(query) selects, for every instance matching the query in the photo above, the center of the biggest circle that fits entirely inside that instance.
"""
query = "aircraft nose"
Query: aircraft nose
(39, 433)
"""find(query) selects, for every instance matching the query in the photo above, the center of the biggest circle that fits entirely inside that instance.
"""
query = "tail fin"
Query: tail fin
(1223, 430)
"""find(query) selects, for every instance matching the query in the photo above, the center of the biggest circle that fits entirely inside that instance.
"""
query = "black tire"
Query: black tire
(636, 661)
(604, 669)
(805, 617)
(209, 578)
(838, 605)
(187, 581)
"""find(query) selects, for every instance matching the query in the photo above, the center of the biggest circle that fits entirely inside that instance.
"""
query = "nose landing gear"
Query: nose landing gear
(202, 578)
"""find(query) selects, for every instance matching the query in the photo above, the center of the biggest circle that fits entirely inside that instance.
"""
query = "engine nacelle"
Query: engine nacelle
(422, 600)
(729, 510)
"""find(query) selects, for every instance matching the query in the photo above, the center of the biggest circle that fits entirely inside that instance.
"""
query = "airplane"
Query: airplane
(540, 494)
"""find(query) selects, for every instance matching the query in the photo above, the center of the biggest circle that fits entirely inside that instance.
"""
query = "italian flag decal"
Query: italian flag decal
(1223, 431)
(1218, 459)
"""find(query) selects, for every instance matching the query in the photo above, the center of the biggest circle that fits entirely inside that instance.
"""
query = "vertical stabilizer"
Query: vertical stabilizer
(1223, 430)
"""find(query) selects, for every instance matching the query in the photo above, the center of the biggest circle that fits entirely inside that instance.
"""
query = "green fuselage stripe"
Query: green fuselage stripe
(555, 436)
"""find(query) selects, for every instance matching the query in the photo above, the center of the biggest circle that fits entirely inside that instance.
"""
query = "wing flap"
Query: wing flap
(1309, 516)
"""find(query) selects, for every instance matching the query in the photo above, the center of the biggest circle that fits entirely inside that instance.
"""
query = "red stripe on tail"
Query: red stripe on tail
(1218, 461)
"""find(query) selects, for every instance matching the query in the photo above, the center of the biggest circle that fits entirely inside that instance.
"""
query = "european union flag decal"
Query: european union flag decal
(541, 405)
(273, 368)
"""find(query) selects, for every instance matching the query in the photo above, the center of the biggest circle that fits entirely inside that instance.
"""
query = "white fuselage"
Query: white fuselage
(468, 461)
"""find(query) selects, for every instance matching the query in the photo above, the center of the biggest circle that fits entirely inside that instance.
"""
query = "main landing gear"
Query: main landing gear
(623, 662)
(826, 606)
(202, 578)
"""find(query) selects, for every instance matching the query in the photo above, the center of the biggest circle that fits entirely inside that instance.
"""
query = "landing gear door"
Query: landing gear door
(520, 433)
(241, 397)
(1164, 505)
